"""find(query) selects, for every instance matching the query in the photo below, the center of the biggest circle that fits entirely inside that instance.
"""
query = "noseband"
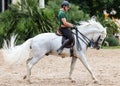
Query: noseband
(97, 42)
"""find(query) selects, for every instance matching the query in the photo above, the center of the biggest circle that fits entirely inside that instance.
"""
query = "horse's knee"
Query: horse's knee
(28, 60)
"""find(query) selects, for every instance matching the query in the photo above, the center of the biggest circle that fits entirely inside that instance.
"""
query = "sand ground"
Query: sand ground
(54, 71)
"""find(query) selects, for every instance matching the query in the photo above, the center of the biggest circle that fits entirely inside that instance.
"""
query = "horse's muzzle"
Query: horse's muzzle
(98, 47)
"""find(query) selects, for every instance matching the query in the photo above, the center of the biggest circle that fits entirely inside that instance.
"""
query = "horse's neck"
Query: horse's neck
(87, 31)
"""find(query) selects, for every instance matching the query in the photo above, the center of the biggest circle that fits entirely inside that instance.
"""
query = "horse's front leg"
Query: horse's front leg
(73, 61)
(85, 63)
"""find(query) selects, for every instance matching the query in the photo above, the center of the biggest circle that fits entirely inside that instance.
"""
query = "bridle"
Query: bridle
(97, 42)
(85, 39)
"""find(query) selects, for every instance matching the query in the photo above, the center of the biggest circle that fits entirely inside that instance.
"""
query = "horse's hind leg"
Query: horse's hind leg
(30, 63)
(72, 66)
(28, 69)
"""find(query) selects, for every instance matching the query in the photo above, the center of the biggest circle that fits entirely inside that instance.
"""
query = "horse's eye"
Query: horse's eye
(100, 39)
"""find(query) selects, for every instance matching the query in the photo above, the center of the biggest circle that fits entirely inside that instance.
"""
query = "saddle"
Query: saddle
(70, 45)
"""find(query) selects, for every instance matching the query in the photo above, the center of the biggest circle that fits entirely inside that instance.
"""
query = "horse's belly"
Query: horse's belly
(65, 53)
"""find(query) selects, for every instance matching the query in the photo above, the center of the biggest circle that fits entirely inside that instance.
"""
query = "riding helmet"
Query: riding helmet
(65, 3)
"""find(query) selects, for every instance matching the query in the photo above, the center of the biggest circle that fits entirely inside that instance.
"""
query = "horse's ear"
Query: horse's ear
(104, 31)
(105, 27)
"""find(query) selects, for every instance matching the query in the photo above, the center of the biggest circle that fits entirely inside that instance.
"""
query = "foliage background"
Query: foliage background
(27, 19)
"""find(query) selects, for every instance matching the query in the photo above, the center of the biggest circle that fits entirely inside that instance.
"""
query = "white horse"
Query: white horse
(48, 43)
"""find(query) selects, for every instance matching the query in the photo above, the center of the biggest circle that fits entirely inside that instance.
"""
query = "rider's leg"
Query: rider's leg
(68, 34)
(66, 42)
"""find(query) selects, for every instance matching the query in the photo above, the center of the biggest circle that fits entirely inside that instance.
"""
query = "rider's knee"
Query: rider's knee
(71, 39)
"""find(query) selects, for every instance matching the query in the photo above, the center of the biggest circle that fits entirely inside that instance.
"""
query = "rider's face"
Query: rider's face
(66, 8)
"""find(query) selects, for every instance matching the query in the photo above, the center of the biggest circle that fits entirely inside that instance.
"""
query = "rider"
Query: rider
(64, 25)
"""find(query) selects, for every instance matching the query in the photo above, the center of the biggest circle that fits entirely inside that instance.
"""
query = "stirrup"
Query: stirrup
(59, 51)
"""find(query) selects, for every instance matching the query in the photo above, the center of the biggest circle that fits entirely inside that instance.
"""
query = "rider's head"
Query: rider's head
(65, 5)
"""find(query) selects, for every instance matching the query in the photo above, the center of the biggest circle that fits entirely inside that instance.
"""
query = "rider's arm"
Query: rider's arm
(66, 24)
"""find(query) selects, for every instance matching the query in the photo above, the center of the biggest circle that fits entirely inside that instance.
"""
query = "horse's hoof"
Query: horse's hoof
(29, 81)
(73, 81)
(95, 81)
(24, 77)
(70, 78)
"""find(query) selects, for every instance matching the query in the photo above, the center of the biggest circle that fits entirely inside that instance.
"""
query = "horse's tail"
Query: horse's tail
(16, 54)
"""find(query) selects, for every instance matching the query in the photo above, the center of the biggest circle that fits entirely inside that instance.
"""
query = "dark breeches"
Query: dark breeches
(67, 33)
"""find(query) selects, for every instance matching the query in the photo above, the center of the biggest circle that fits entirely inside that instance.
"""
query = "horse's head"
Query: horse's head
(99, 37)
(92, 31)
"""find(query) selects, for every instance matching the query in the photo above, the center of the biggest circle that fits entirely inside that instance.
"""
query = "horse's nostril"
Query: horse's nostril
(98, 47)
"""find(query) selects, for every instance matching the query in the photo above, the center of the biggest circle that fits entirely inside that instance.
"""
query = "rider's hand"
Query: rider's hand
(74, 27)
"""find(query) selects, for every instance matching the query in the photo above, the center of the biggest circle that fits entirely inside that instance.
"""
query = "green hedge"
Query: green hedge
(112, 41)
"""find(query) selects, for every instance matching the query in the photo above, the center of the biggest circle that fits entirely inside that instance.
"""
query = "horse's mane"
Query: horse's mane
(91, 22)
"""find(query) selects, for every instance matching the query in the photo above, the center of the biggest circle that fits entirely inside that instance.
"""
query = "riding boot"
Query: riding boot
(66, 42)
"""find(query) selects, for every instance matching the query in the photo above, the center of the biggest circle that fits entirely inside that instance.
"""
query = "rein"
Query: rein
(84, 39)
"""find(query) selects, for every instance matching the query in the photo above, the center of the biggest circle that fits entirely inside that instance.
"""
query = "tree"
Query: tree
(96, 7)
(25, 19)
